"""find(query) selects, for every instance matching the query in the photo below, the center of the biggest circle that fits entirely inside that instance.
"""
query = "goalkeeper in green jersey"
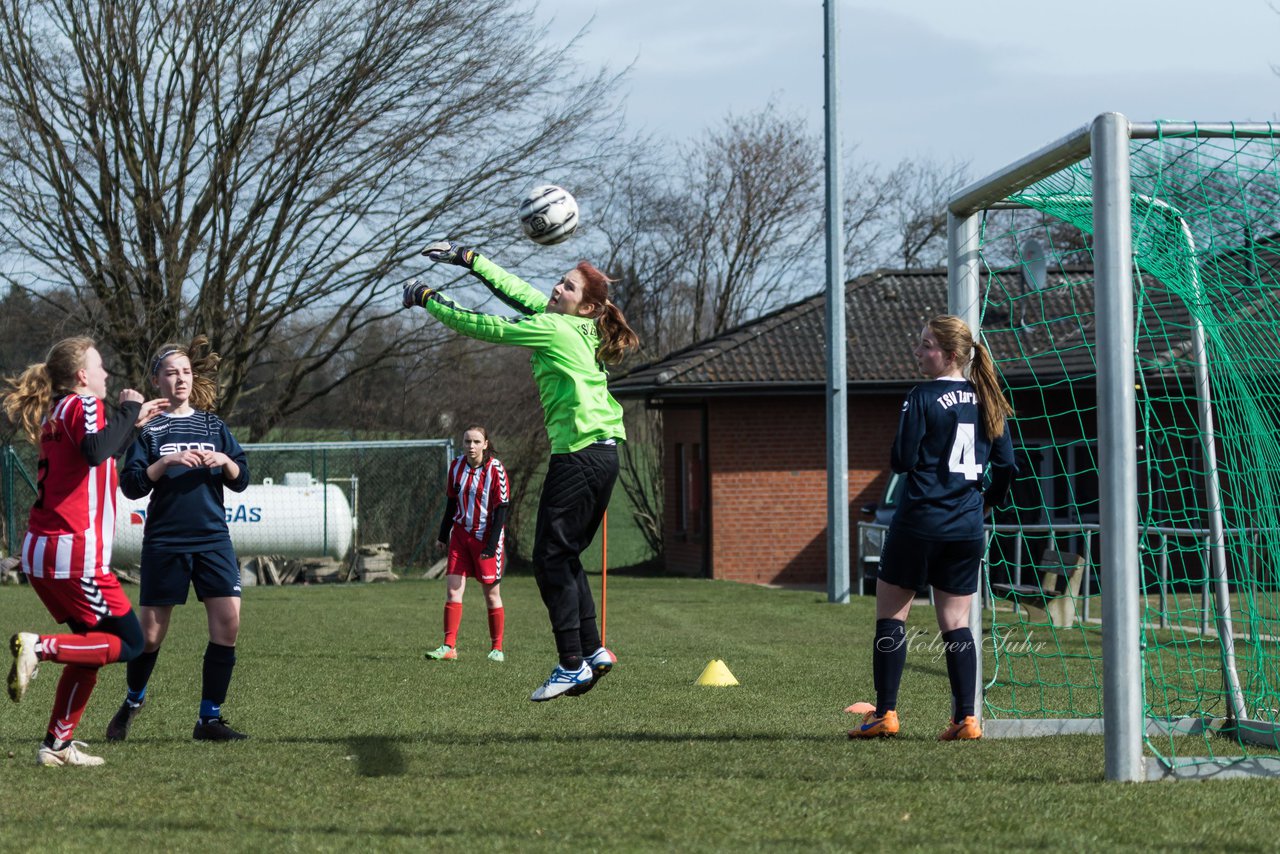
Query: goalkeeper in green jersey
(573, 334)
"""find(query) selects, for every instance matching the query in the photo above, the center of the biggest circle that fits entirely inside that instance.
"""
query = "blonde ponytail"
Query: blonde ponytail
(29, 394)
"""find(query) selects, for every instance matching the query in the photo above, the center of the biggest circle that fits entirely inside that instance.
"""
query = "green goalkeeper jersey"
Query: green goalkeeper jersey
(572, 383)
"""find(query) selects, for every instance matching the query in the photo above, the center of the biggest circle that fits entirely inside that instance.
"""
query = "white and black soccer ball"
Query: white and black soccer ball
(548, 214)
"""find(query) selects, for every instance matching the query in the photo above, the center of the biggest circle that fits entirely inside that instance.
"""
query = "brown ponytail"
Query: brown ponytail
(616, 336)
(29, 394)
(954, 337)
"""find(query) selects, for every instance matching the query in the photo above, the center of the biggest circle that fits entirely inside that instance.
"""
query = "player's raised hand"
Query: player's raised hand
(454, 253)
(150, 410)
(128, 395)
(416, 293)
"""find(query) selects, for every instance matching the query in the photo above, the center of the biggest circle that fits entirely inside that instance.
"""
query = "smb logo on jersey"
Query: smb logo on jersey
(179, 447)
(138, 517)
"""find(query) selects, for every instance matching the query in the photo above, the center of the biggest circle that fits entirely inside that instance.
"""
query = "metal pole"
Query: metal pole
(6, 470)
(837, 380)
(1117, 455)
(962, 300)
(1212, 484)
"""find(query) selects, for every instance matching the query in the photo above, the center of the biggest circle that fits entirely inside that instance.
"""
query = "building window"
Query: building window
(682, 496)
(693, 490)
(689, 488)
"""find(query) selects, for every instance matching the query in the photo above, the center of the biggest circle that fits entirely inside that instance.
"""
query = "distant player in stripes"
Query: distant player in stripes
(572, 334)
(66, 554)
(185, 459)
(953, 446)
(473, 531)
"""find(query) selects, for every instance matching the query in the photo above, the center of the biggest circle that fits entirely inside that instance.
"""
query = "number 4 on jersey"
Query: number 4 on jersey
(964, 460)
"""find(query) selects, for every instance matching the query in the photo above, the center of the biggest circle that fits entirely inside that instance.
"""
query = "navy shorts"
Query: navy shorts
(166, 576)
(912, 562)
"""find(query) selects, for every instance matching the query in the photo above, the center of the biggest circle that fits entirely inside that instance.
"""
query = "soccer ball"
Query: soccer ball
(548, 214)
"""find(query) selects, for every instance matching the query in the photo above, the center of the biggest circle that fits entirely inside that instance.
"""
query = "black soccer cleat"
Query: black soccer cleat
(215, 729)
(118, 729)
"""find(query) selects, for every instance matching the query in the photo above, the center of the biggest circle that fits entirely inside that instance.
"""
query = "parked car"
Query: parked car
(871, 532)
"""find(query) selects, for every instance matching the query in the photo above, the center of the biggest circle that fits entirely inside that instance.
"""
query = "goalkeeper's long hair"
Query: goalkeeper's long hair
(28, 395)
(954, 337)
(204, 369)
(616, 336)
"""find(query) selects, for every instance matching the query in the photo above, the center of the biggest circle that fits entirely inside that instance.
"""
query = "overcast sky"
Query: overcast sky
(984, 81)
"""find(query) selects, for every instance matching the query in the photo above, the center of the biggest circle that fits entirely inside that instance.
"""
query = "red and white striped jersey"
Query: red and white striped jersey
(479, 491)
(73, 520)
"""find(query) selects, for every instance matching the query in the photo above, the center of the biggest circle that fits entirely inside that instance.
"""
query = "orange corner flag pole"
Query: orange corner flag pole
(604, 577)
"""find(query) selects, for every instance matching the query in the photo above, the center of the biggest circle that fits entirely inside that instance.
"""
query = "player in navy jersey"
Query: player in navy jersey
(473, 531)
(184, 460)
(66, 554)
(953, 446)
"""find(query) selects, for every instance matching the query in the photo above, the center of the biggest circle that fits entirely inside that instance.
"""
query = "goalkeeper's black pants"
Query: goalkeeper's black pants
(575, 495)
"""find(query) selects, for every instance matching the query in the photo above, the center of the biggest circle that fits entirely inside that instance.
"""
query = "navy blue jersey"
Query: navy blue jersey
(186, 510)
(943, 450)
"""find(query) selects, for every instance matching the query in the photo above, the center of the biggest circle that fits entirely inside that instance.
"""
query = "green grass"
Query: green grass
(359, 742)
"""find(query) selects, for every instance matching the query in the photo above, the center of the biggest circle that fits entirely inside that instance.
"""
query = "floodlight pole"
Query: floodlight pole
(837, 370)
(1118, 492)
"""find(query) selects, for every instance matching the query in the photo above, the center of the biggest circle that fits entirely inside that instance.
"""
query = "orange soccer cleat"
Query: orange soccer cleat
(876, 727)
(966, 730)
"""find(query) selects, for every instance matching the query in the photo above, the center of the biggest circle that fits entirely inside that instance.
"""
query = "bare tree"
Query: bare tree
(641, 472)
(259, 169)
(898, 218)
(726, 232)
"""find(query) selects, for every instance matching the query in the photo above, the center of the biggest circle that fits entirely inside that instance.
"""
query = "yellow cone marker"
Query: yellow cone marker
(717, 675)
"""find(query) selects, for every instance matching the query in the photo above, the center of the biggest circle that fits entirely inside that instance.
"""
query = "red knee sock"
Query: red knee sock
(74, 689)
(496, 618)
(452, 619)
(92, 649)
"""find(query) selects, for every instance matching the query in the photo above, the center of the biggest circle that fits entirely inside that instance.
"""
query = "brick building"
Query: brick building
(744, 428)
(744, 435)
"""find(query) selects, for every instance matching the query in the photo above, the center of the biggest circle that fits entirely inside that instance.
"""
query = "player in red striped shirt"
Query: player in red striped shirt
(66, 554)
(473, 531)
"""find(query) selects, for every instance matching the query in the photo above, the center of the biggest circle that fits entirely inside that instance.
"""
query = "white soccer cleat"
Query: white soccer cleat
(25, 663)
(560, 681)
(72, 754)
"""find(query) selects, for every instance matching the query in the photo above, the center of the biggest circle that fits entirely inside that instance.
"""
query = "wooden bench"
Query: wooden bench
(1054, 600)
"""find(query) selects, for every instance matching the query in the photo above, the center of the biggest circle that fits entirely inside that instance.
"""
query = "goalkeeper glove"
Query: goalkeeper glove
(416, 293)
(454, 253)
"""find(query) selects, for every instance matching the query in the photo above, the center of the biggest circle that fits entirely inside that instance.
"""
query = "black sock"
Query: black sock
(218, 662)
(138, 674)
(888, 657)
(589, 636)
(569, 648)
(962, 670)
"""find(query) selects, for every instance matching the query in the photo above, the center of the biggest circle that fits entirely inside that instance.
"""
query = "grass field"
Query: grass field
(360, 743)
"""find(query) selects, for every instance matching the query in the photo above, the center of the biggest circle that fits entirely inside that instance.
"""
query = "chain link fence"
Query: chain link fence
(313, 510)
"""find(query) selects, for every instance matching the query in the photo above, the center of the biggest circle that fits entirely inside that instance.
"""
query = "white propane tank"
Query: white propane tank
(300, 518)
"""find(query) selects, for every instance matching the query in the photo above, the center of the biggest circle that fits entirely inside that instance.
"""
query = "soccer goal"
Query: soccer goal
(1127, 281)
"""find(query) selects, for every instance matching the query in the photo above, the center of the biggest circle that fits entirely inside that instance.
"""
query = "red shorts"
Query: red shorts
(464, 558)
(82, 600)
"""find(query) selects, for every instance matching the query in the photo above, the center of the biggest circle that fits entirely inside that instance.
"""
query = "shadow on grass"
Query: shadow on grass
(377, 756)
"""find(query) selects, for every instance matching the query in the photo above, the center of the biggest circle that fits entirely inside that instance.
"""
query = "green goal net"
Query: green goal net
(1206, 292)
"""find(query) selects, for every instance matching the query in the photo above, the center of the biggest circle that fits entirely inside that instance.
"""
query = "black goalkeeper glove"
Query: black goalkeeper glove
(454, 253)
(416, 293)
